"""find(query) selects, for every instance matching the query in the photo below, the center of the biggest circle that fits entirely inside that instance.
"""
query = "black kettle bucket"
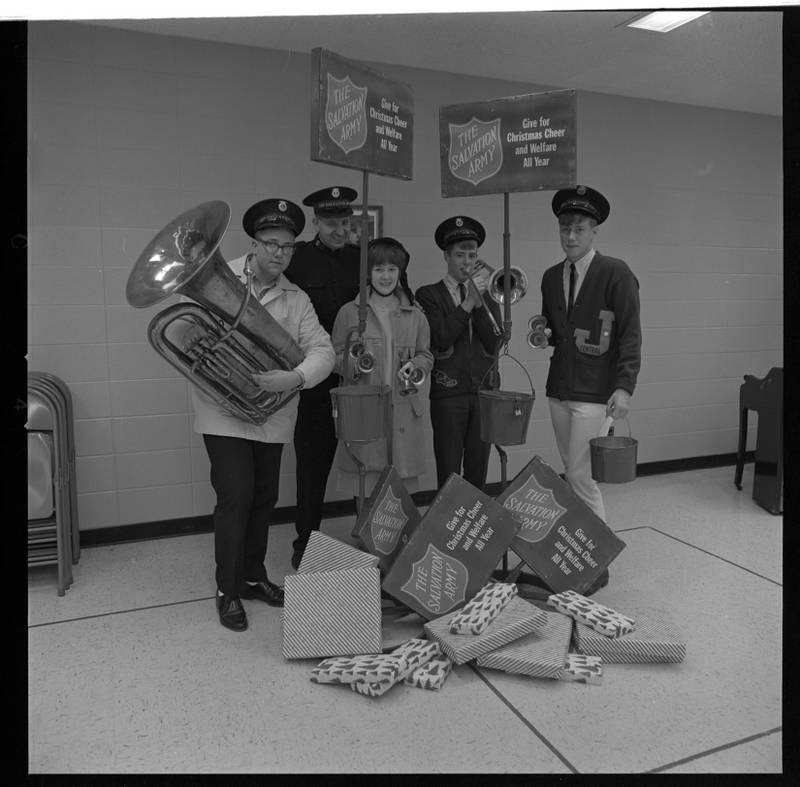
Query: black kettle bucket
(505, 414)
(614, 458)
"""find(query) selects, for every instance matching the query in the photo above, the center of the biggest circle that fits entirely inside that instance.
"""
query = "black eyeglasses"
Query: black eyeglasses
(272, 248)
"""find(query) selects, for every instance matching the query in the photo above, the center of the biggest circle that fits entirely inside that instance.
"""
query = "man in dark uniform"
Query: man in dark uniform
(327, 268)
(463, 344)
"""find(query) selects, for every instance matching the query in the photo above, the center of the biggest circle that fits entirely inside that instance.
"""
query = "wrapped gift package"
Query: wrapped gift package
(560, 537)
(588, 669)
(482, 608)
(596, 616)
(518, 618)
(452, 552)
(332, 613)
(656, 640)
(387, 520)
(431, 675)
(541, 654)
(324, 553)
(414, 653)
(345, 669)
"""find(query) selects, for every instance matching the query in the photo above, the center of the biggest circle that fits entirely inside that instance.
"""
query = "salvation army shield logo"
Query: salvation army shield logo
(387, 522)
(476, 152)
(346, 113)
(534, 506)
(438, 581)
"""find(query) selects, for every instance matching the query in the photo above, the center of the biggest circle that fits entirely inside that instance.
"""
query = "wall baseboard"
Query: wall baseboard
(168, 528)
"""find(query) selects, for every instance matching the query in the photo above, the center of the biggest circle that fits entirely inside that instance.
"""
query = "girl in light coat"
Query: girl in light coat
(398, 336)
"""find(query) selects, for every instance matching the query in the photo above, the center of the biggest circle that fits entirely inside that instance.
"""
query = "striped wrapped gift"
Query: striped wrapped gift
(519, 617)
(482, 608)
(431, 675)
(324, 553)
(332, 613)
(656, 640)
(591, 613)
(414, 653)
(579, 667)
(541, 654)
(370, 669)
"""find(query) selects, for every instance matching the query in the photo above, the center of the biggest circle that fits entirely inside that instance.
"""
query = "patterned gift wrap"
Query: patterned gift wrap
(518, 618)
(541, 654)
(482, 608)
(656, 640)
(431, 675)
(603, 619)
(332, 613)
(579, 667)
(370, 669)
(324, 553)
(415, 652)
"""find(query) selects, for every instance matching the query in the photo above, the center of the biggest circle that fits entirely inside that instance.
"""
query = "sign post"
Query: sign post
(361, 119)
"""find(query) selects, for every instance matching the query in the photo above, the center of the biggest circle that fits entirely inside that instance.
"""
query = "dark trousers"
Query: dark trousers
(314, 446)
(457, 439)
(244, 474)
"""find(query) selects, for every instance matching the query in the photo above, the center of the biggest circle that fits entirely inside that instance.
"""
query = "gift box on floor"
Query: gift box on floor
(332, 613)
(597, 616)
(323, 553)
(431, 675)
(541, 654)
(482, 608)
(453, 551)
(656, 640)
(413, 654)
(560, 538)
(373, 667)
(588, 669)
(387, 519)
(518, 618)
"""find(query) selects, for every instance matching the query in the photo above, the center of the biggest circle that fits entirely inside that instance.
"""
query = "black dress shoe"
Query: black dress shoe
(263, 591)
(231, 613)
(296, 558)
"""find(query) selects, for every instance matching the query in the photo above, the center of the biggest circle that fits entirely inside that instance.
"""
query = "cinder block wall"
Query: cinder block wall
(128, 129)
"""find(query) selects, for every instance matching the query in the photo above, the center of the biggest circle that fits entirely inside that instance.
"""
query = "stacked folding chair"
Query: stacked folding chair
(53, 534)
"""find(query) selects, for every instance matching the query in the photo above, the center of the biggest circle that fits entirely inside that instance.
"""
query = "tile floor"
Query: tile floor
(130, 672)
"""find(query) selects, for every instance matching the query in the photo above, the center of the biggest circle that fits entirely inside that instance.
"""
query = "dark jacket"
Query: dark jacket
(330, 278)
(458, 364)
(599, 349)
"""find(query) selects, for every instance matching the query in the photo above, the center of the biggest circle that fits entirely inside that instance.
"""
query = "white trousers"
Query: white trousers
(574, 424)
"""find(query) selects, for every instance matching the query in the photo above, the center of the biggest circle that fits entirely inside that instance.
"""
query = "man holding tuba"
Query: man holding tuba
(464, 342)
(246, 457)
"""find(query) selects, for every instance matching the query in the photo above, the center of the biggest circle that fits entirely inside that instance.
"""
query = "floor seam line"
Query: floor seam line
(712, 554)
(522, 718)
(118, 612)
(716, 749)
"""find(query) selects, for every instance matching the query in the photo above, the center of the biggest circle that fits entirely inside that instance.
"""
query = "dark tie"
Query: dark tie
(571, 301)
(462, 292)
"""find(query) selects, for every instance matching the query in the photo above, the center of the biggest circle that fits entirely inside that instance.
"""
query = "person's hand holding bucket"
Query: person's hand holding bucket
(618, 404)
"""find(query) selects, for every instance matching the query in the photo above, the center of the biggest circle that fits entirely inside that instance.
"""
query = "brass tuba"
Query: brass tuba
(238, 336)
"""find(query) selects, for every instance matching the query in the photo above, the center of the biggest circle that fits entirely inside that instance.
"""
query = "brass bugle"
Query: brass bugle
(411, 379)
(496, 287)
(537, 338)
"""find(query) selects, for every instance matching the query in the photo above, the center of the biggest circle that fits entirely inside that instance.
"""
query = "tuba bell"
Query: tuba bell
(238, 336)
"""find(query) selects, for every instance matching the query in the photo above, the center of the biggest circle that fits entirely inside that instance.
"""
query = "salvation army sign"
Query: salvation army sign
(521, 143)
(360, 118)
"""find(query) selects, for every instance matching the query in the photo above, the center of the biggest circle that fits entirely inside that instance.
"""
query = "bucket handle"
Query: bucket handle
(496, 365)
(607, 425)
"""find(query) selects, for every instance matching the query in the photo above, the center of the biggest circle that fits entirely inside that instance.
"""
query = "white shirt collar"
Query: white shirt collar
(580, 265)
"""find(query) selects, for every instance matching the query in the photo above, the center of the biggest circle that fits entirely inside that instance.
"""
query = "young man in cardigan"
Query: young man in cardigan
(591, 303)
(463, 346)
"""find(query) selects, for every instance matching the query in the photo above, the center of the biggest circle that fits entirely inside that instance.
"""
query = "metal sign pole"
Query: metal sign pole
(364, 240)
